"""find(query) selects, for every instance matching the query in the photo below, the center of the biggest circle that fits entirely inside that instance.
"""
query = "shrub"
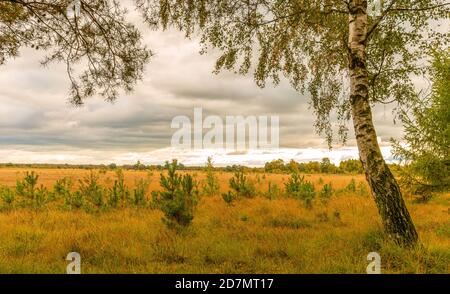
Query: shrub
(122, 189)
(293, 184)
(352, 166)
(326, 193)
(273, 191)
(91, 190)
(337, 215)
(75, 200)
(7, 195)
(140, 191)
(41, 197)
(228, 197)
(212, 186)
(307, 194)
(326, 166)
(244, 218)
(298, 188)
(362, 190)
(119, 192)
(113, 195)
(351, 187)
(178, 198)
(27, 187)
(422, 194)
(242, 186)
(62, 187)
(275, 166)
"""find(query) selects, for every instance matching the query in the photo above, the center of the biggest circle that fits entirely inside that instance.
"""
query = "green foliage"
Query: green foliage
(27, 187)
(212, 186)
(107, 44)
(293, 186)
(326, 193)
(273, 191)
(41, 196)
(306, 42)
(139, 166)
(351, 187)
(113, 195)
(89, 193)
(119, 192)
(258, 179)
(312, 167)
(7, 195)
(242, 186)
(90, 189)
(297, 187)
(354, 188)
(327, 167)
(229, 197)
(361, 190)
(140, 192)
(351, 166)
(427, 134)
(178, 198)
(75, 200)
(275, 166)
(244, 218)
(63, 188)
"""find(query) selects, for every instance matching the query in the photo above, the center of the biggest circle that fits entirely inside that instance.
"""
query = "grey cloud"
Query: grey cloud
(34, 111)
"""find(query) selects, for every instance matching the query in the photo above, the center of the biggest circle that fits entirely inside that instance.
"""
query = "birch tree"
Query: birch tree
(348, 55)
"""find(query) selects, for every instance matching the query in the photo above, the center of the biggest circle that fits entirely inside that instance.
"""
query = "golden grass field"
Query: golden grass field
(253, 236)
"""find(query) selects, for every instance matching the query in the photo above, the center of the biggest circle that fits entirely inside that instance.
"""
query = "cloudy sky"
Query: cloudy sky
(38, 125)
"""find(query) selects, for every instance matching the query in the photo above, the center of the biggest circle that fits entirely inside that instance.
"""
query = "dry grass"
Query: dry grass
(253, 236)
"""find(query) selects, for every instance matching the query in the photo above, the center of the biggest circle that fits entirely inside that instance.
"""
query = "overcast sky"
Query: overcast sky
(38, 125)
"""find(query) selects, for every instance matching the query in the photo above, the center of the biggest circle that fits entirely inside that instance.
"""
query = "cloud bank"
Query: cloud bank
(38, 125)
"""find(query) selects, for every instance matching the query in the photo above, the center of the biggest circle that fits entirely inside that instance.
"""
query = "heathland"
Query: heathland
(266, 232)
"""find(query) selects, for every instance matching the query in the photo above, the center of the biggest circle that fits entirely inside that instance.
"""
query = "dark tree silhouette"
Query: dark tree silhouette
(102, 51)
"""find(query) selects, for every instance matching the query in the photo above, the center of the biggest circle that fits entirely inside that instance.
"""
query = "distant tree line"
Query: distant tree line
(351, 166)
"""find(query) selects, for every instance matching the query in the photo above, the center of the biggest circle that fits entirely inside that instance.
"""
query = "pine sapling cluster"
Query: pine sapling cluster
(178, 198)
(212, 186)
(297, 187)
